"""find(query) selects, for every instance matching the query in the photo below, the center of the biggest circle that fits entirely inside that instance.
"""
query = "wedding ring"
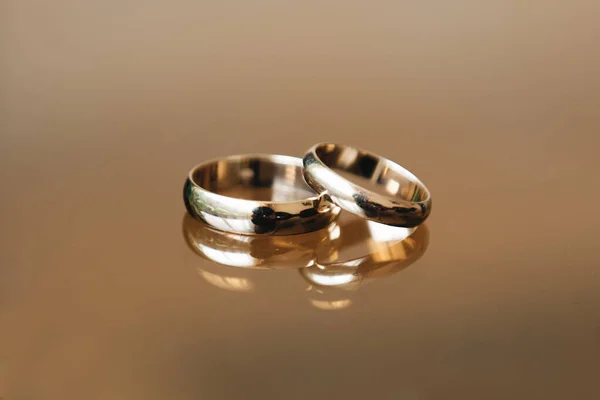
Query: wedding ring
(395, 196)
(256, 194)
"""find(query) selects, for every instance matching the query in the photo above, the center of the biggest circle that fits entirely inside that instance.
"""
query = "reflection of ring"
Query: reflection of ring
(384, 258)
(404, 199)
(257, 252)
(256, 194)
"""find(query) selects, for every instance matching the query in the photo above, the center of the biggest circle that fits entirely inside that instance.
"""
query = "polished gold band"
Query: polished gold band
(256, 194)
(404, 200)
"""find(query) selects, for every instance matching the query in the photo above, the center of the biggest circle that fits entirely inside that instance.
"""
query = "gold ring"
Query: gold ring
(343, 173)
(256, 194)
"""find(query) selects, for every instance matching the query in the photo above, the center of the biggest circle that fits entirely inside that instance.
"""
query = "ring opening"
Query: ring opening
(372, 172)
(259, 178)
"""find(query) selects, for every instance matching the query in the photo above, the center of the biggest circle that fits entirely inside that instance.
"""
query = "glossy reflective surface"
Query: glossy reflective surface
(326, 259)
(105, 106)
(258, 252)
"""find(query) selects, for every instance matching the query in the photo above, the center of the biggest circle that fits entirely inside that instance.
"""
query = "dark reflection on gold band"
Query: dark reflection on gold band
(335, 261)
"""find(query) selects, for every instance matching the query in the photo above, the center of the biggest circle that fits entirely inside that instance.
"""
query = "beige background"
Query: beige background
(105, 106)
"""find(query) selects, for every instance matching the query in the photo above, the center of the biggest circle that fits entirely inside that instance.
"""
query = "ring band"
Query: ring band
(256, 194)
(402, 199)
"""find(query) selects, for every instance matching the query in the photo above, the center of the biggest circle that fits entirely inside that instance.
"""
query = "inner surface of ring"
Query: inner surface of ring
(371, 172)
(254, 178)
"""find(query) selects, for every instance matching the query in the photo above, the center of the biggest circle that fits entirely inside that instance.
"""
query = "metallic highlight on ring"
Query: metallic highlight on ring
(256, 194)
(405, 201)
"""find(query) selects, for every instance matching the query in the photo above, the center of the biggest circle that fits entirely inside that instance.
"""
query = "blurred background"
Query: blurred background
(105, 106)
